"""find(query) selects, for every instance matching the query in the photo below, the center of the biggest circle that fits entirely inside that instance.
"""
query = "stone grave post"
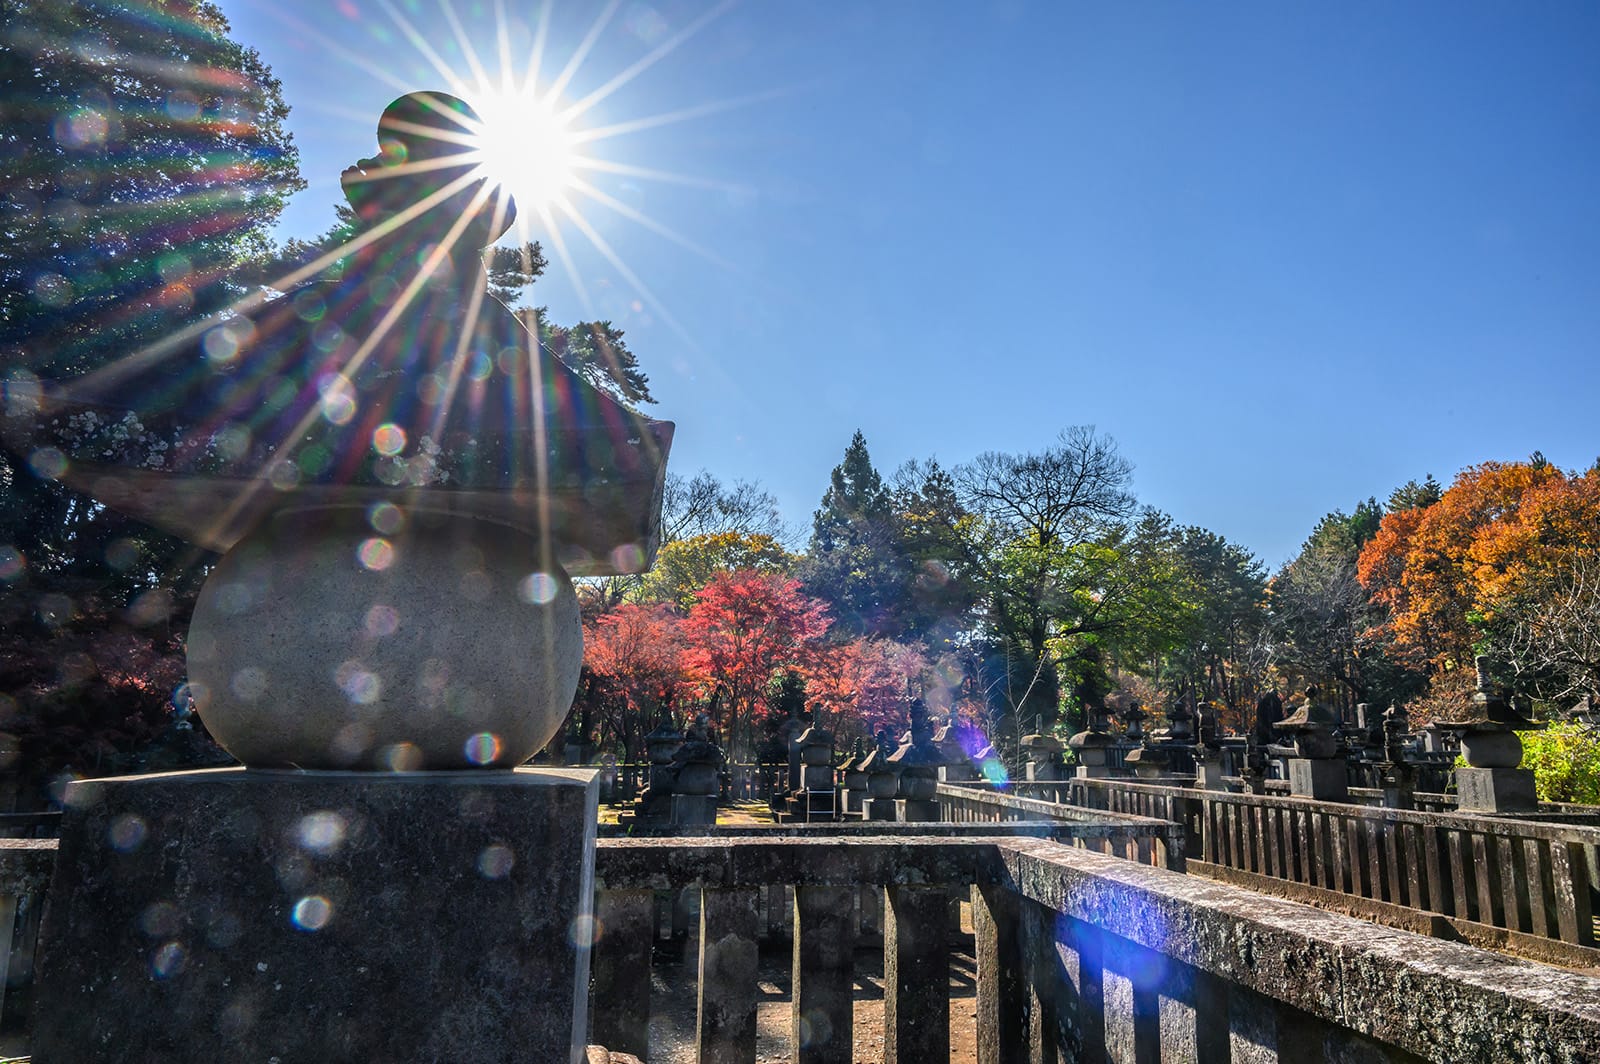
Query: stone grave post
(401, 483)
(883, 780)
(855, 780)
(918, 763)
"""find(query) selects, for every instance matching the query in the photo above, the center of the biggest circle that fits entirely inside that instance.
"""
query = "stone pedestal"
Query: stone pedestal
(1043, 771)
(255, 915)
(1495, 790)
(918, 811)
(1090, 772)
(693, 810)
(1324, 779)
(697, 778)
(881, 809)
(1208, 775)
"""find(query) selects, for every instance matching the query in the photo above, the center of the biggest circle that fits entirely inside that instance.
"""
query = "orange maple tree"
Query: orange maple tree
(1444, 572)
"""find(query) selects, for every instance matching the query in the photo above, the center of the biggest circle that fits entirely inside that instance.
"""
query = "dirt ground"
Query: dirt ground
(672, 1019)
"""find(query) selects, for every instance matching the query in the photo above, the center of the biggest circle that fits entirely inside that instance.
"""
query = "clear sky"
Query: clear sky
(1289, 255)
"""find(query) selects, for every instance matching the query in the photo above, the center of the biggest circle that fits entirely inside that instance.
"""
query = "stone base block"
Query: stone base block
(918, 811)
(259, 915)
(882, 809)
(693, 810)
(1208, 776)
(1042, 771)
(817, 777)
(1091, 772)
(852, 801)
(1495, 790)
(1324, 779)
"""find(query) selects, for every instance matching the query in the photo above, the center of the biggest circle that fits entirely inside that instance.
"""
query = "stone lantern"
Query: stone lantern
(1148, 761)
(1091, 747)
(1133, 719)
(1397, 775)
(401, 482)
(1488, 727)
(957, 742)
(1316, 770)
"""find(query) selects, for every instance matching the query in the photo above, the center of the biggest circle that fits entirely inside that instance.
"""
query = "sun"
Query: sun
(526, 147)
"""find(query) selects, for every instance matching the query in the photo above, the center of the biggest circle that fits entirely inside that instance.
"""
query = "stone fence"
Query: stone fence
(745, 781)
(1080, 956)
(1499, 881)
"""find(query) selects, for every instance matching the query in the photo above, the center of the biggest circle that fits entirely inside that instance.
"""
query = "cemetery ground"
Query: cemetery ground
(674, 986)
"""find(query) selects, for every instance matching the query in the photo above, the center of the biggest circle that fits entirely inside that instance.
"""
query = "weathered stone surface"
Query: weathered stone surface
(1000, 999)
(1495, 790)
(916, 966)
(316, 643)
(691, 810)
(728, 977)
(246, 915)
(1324, 780)
(625, 930)
(822, 1012)
(1354, 975)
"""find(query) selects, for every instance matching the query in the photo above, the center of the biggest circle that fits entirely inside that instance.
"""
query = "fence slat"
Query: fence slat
(1569, 877)
(1491, 908)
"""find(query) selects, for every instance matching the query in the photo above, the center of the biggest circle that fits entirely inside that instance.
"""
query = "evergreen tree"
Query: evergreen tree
(854, 563)
(143, 160)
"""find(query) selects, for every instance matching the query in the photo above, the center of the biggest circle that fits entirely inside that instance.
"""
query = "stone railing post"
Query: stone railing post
(916, 975)
(620, 993)
(729, 923)
(822, 1011)
(1001, 993)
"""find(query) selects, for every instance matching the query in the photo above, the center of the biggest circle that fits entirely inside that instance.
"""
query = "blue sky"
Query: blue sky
(1287, 255)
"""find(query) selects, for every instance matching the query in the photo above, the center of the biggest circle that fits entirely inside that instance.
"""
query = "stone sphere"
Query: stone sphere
(378, 639)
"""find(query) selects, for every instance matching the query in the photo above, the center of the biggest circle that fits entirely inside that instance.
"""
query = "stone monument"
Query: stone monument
(918, 763)
(401, 483)
(1487, 727)
(958, 742)
(854, 786)
(883, 779)
(815, 799)
(1316, 770)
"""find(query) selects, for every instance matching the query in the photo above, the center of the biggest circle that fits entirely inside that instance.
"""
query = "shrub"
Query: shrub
(1565, 759)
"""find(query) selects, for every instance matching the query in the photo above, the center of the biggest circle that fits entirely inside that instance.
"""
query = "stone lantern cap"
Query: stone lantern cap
(386, 376)
(1147, 755)
(1038, 743)
(814, 736)
(1311, 716)
(916, 755)
(1084, 739)
(879, 761)
(1486, 711)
